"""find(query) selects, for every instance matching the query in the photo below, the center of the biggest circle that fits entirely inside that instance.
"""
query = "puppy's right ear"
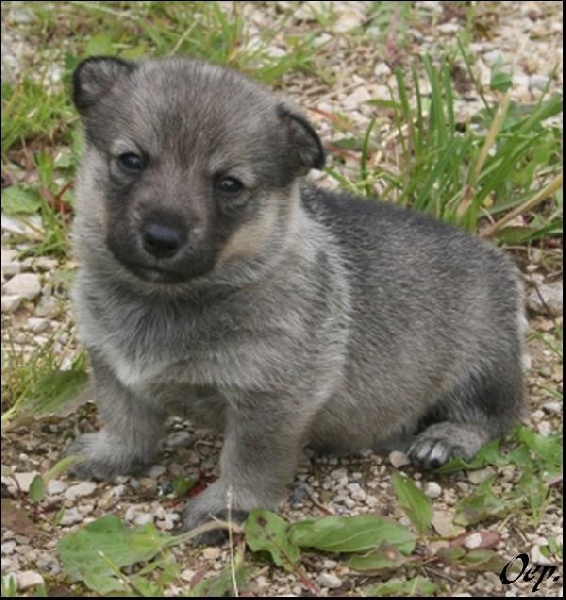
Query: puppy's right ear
(95, 77)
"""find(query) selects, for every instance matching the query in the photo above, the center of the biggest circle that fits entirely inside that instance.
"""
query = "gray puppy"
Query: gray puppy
(213, 282)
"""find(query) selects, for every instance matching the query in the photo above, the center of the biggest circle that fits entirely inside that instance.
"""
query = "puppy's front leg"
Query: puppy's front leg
(129, 439)
(262, 444)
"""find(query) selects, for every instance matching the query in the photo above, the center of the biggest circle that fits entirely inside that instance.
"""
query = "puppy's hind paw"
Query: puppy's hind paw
(440, 442)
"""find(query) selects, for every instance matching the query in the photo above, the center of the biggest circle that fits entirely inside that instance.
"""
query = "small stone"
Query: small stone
(211, 553)
(508, 473)
(381, 69)
(544, 428)
(30, 226)
(24, 480)
(80, 490)
(187, 575)
(492, 57)
(358, 96)
(442, 522)
(329, 580)
(10, 264)
(399, 459)
(356, 491)
(10, 304)
(553, 408)
(37, 325)
(47, 307)
(473, 541)
(24, 285)
(539, 82)
(143, 519)
(448, 27)
(44, 263)
(479, 475)
(71, 516)
(27, 579)
(547, 299)
(538, 558)
(156, 471)
(181, 439)
(8, 547)
(432, 490)
(56, 487)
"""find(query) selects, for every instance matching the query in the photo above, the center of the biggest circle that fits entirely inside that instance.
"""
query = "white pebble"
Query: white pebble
(24, 285)
(432, 489)
(27, 579)
(80, 490)
(156, 471)
(56, 486)
(143, 519)
(329, 580)
(398, 459)
(473, 541)
(10, 304)
(24, 480)
(71, 516)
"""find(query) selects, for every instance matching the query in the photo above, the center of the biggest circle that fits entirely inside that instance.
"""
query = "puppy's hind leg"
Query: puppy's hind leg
(470, 416)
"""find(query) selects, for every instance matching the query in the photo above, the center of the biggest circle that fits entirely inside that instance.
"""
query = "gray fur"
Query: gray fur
(288, 315)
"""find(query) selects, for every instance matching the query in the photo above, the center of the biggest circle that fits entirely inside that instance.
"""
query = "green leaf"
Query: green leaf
(413, 501)
(382, 558)
(549, 448)
(490, 454)
(351, 534)
(418, 587)
(37, 489)
(267, 531)
(93, 554)
(17, 200)
(482, 504)
(55, 388)
(478, 559)
(99, 44)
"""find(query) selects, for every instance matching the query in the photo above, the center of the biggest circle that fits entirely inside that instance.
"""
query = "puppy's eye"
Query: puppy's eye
(230, 185)
(130, 161)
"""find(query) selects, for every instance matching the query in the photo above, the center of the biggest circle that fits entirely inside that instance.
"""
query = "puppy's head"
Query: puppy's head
(187, 166)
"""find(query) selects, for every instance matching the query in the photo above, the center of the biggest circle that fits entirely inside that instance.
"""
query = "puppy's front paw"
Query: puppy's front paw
(216, 502)
(104, 458)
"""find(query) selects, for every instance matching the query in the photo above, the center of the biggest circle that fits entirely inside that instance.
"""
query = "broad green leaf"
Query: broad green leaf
(351, 534)
(17, 200)
(475, 560)
(382, 558)
(417, 587)
(93, 554)
(267, 531)
(37, 489)
(413, 501)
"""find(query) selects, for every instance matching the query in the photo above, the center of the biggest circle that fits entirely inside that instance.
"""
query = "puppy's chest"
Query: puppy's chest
(168, 348)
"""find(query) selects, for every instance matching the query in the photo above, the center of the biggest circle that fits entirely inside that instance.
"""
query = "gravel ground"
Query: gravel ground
(527, 36)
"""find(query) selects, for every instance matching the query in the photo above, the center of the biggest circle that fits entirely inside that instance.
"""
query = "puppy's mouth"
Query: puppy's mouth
(162, 275)
(156, 275)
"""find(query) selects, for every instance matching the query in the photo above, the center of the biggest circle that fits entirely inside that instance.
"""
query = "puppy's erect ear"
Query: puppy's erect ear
(95, 77)
(302, 139)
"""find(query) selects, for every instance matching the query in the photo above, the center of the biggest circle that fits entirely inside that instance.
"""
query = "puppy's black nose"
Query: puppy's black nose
(163, 241)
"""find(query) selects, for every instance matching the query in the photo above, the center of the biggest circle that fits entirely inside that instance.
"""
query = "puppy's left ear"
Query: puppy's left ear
(302, 139)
